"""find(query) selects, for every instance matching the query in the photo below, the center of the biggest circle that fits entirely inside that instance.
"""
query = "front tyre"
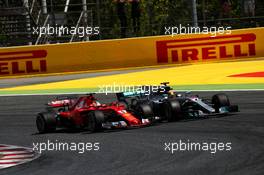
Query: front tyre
(123, 103)
(172, 110)
(95, 120)
(46, 122)
(220, 100)
(144, 111)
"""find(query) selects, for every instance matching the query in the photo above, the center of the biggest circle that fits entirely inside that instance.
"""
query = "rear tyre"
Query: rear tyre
(95, 120)
(46, 122)
(220, 100)
(123, 103)
(144, 111)
(134, 103)
(172, 110)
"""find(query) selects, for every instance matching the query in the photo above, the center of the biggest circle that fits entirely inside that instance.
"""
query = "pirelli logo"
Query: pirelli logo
(23, 62)
(206, 48)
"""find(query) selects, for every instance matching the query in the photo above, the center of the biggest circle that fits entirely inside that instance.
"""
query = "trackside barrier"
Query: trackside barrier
(134, 52)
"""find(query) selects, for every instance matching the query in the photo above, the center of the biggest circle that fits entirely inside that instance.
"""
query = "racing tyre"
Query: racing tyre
(220, 100)
(172, 110)
(123, 103)
(46, 122)
(134, 102)
(95, 120)
(144, 111)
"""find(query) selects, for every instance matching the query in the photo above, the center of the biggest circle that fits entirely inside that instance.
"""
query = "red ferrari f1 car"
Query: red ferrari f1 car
(87, 112)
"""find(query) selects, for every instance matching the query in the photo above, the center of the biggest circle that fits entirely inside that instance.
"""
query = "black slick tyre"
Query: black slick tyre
(144, 111)
(95, 120)
(172, 110)
(220, 100)
(46, 122)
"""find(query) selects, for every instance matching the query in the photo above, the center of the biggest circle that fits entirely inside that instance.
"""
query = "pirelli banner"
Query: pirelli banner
(136, 52)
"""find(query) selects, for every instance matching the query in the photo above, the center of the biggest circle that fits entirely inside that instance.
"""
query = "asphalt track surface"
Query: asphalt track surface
(141, 151)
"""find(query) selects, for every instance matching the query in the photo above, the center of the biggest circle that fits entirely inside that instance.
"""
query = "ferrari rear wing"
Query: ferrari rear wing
(62, 101)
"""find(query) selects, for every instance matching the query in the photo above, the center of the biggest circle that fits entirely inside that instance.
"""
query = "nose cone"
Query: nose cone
(135, 122)
(131, 119)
